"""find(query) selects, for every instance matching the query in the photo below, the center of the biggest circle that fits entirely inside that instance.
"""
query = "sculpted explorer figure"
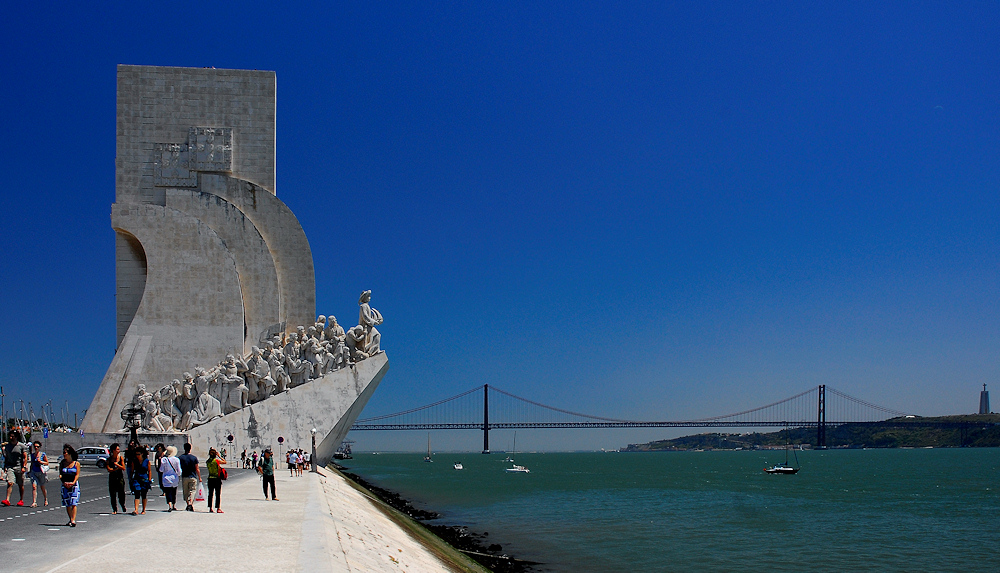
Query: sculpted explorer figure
(208, 408)
(369, 318)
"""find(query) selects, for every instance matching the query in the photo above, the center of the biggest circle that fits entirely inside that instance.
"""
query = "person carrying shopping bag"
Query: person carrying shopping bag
(216, 473)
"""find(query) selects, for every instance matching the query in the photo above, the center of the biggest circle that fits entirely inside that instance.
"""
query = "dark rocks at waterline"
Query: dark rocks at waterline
(472, 544)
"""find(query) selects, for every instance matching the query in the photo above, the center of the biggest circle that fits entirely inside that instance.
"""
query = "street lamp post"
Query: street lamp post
(312, 458)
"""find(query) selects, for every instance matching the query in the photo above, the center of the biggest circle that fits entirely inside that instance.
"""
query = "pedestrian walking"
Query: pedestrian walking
(215, 470)
(116, 477)
(291, 463)
(254, 458)
(69, 476)
(15, 461)
(38, 473)
(190, 476)
(141, 481)
(170, 469)
(266, 470)
(243, 458)
(161, 451)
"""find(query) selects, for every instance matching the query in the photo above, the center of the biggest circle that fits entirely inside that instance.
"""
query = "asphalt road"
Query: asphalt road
(37, 538)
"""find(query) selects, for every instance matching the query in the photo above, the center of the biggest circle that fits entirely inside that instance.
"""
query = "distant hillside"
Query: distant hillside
(979, 431)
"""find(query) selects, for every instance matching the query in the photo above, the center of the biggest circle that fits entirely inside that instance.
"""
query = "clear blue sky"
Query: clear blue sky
(628, 209)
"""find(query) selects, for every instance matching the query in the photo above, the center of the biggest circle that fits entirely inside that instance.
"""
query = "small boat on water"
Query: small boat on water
(784, 468)
(344, 451)
(781, 469)
(459, 466)
(516, 469)
(427, 458)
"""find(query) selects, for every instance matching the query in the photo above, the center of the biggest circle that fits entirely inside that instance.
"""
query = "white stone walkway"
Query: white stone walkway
(320, 524)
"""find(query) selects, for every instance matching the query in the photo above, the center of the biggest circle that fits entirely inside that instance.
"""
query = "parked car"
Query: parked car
(93, 454)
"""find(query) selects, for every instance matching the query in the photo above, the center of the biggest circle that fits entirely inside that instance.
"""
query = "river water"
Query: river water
(846, 510)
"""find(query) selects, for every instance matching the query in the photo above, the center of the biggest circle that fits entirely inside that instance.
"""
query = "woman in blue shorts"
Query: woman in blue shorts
(141, 481)
(69, 475)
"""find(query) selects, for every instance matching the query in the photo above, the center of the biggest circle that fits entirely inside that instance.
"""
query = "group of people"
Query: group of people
(21, 458)
(297, 460)
(134, 468)
(172, 471)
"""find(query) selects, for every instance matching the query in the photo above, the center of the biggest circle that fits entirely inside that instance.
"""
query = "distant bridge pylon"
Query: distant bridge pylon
(490, 408)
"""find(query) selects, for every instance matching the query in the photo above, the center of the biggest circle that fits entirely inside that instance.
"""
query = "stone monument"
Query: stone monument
(214, 275)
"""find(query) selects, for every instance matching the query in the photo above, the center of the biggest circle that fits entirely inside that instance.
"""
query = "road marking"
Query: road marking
(17, 539)
(53, 529)
(81, 522)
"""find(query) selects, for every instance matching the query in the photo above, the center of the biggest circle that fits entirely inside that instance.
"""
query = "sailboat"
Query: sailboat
(516, 469)
(784, 468)
(427, 458)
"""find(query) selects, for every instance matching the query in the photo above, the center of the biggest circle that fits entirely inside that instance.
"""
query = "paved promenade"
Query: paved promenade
(321, 524)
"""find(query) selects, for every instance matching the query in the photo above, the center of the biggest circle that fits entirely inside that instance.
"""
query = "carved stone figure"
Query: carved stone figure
(336, 344)
(356, 343)
(333, 331)
(281, 379)
(295, 366)
(313, 352)
(369, 318)
(167, 399)
(239, 395)
(189, 402)
(233, 386)
(257, 370)
(207, 409)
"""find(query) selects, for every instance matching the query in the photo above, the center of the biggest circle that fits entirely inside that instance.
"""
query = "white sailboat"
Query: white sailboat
(784, 468)
(427, 458)
(516, 469)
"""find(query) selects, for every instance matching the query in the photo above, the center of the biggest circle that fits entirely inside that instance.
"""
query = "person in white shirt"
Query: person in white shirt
(170, 467)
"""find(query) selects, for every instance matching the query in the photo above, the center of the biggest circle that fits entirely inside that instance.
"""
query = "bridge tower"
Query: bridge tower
(821, 418)
(486, 418)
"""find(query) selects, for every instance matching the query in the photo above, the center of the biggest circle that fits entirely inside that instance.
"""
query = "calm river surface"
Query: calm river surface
(846, 510)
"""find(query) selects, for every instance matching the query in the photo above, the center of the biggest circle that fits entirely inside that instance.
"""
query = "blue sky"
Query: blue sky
(633, 209)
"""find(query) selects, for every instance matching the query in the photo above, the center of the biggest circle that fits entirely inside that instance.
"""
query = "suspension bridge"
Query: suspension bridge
(490, 408)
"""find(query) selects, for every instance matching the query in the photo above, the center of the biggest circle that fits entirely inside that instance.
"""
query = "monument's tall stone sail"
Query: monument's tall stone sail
(209, 262)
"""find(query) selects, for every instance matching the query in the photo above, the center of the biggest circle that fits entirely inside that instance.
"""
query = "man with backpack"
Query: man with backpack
(266, 470)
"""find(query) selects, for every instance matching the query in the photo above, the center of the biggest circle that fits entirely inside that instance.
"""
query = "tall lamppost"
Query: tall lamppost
(312, 458)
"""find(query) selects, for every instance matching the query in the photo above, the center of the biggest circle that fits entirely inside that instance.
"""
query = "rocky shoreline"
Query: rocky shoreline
(473, 544)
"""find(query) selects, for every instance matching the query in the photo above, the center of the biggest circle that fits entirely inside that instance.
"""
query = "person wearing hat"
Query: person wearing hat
(266, 470)
(170, 467)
